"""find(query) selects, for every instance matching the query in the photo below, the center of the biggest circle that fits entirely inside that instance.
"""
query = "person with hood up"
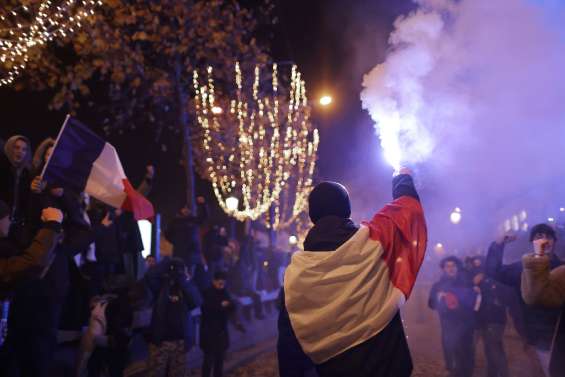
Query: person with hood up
(341, 296)
(15, 177)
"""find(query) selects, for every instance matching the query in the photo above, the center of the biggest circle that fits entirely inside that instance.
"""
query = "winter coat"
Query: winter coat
(543, 287)
(214, 333)
(539, 323)
(38, 303)
(384, 354)
(16, 266)
(455, 308)
(175, 298)
(183, 233)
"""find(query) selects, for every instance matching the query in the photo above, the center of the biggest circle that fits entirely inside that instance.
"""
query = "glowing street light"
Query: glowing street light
(232, 203)
(292, 240)
(438, 248)
(326, 100)
(217, 110)
(455, 216)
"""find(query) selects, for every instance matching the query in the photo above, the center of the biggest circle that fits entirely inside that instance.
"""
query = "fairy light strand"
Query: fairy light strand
(23, 30)
(271, 153)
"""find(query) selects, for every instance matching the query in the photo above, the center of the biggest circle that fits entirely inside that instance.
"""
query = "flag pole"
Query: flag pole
(55, 145)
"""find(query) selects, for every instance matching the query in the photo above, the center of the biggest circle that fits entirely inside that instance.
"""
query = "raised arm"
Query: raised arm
(505, 274)
(401, 229)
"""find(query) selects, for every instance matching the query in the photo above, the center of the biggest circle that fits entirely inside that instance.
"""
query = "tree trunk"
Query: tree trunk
(184, 123)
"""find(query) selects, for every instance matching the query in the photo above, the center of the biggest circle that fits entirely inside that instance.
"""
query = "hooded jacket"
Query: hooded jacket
(16, 180)
(340, 301)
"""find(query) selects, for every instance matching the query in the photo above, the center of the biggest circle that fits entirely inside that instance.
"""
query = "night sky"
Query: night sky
(334, 42)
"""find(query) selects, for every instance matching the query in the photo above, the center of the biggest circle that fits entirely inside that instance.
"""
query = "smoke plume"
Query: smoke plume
(472, 92)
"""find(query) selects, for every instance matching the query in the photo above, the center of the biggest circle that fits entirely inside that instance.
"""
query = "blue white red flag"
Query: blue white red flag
(341, 298)
(82, 161)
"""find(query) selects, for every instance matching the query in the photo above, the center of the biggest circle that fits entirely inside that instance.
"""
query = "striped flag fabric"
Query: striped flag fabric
(341, 298)
(82, 161)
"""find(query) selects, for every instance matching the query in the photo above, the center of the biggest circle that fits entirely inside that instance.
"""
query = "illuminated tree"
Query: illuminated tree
(258, 142)
(141, 54)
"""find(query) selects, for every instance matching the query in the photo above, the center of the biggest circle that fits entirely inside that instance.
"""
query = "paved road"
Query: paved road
(422, 329)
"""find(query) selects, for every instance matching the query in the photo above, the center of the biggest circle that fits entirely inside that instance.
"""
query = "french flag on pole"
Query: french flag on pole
(82, 161)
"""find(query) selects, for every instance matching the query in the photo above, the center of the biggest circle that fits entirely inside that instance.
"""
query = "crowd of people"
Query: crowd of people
(70, 265)
(475, 297)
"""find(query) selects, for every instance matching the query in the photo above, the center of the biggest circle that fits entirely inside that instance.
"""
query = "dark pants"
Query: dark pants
(29, 354)
(497, 364)
(458, 349)
(215, 361)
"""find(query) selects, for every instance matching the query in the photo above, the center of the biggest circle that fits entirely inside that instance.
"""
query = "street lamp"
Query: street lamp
(292, 240)
(455, 216)
(217, 110)
(232, 203)
(326, 100)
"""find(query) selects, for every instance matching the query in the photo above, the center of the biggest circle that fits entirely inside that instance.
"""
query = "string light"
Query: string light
(270, 152)
(22, 31)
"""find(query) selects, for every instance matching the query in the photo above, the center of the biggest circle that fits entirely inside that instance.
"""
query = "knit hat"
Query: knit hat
(329, 199)
(4, 210)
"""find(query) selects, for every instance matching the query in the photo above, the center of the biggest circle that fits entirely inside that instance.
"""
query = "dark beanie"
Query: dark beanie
(329, 199)
(543, 229)
(4, 210)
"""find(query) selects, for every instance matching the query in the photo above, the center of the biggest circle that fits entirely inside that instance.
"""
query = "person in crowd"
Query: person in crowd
(490, 310)
(215, 243)
(217, 307)
(107, 241)
(37, 305)
(245, 273)
(104, 344)
(184, 234)
(539, 323)
(172, 327)
(542, 286)
(341, 297)
(454, 300)
(16, 178)
(17, 265)
(150, 261)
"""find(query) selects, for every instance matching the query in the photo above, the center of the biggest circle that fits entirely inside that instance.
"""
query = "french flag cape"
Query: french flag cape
(82, 161)
(339, 299)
